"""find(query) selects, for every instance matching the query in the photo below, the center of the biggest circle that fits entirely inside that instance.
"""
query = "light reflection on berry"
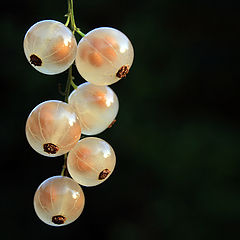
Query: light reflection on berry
(85, 166)
(53, 128)
(96, 107)
(58, 201)
(101, 53)
(50, 47)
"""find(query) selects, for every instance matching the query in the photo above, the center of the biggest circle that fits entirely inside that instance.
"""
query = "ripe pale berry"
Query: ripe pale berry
(95, 106)
(53, 128)
(58, 201)
(50, 47)
(104, 56)
(91, 161)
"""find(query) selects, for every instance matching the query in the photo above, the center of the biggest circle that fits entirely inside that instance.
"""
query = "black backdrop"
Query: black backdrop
(177, 131)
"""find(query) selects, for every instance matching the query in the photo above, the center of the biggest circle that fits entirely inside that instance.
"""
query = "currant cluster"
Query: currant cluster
(103, 56)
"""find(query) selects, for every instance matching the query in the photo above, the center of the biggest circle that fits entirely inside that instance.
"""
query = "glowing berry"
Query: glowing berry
(53, 128)
(91, 161)
(95, 106)
(104, 56)
(50, 47)
(58, 201)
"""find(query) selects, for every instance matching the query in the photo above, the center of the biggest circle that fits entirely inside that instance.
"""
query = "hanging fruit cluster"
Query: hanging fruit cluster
(53, 128)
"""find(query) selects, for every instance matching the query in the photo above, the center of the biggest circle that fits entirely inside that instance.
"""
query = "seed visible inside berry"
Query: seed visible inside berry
(50, 148)
(58, 201)
(95, 106)
(50, 47)
(53, 128)
(92, 159)
(59, 219)
(35, 60)
(104, 56)
(103, 174)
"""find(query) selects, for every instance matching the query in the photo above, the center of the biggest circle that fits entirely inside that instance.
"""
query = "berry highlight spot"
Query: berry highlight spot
(58, 219)
(123, 71)
(50, 148)
(103, 174)
(35, 60)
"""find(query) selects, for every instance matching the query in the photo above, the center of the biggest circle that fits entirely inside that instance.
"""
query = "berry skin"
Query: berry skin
(50, 47)
(104, 56)
(95, 106)
(53, 128)
(91, 161)
(58, 201)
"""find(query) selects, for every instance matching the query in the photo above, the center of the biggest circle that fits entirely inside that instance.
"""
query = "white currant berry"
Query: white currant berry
(50, 47)
(58, 201)
(104, 56)
(91, 161)
(95, 106)
(53, 128)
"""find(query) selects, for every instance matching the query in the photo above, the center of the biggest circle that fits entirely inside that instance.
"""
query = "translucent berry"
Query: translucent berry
(50, 47)
(58, 201)
(95, 106)
(91, 161)
(53, 128)
(104, 56)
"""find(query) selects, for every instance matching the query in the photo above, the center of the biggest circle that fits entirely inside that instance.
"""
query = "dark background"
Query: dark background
(177, 132)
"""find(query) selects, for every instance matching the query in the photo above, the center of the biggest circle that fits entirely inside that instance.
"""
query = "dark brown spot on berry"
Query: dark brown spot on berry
(123, 71)
(103, 174)
(58, 219)
(35, 60)
(111, 124)
(50, 148)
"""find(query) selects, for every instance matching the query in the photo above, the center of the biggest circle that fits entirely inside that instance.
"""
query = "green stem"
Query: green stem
(71, 19)
(74, 28)
(67, 92)
(79, 32)
(68, 14)
(72, 22)
(73, 85)
(68, 84)
(64, 167)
